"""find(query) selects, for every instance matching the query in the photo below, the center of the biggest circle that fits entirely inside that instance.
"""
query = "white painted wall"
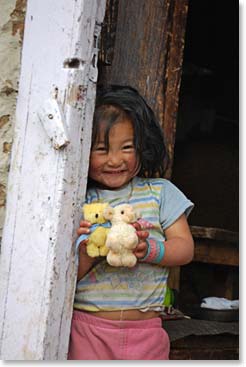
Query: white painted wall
(46, 186)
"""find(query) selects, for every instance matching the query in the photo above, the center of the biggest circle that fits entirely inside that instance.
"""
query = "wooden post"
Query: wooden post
(48, 177)
(144, 48)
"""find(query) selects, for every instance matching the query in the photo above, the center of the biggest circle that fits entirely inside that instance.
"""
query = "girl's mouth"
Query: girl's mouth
(118, 172)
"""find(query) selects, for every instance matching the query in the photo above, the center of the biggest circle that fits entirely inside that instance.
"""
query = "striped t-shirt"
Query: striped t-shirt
(108, 288)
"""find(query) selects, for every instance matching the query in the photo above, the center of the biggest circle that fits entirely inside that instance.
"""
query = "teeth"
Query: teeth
(113, 172)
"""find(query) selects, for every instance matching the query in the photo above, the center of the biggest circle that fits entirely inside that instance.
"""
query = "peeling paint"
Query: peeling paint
(7, 88)
(17, 17)
(7, 147)
(4, 120)
(76, 95)
(2, 195)
(11, 34)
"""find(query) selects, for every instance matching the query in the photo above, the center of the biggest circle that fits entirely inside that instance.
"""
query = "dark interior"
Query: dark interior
(206, 156)
(206, 151)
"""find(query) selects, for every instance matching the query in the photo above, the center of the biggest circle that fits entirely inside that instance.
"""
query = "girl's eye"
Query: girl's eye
(100, 149)
(128, 147)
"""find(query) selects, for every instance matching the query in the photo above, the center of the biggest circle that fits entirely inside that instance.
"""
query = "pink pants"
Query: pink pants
(95, 338)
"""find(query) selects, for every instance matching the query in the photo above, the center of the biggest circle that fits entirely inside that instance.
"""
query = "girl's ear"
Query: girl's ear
(108, 212)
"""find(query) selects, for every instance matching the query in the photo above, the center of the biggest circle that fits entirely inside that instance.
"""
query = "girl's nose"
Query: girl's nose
(114, 159)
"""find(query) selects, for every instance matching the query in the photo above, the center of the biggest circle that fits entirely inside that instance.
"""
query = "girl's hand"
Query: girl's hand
(85, 261)
(83, 229)
(142, 247)
(84, 226)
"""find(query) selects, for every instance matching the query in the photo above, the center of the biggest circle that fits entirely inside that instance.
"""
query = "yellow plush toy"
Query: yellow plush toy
(94, 213)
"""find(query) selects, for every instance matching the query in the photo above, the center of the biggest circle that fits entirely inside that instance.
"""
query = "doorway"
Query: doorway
(206, 155)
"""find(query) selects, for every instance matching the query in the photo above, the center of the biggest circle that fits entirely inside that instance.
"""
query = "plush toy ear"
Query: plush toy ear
(108, 212)
(84, 207)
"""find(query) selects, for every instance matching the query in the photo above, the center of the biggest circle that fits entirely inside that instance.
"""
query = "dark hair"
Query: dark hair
(114, 103)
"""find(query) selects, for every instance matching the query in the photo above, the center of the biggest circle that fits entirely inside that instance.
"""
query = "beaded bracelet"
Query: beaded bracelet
(155, 251)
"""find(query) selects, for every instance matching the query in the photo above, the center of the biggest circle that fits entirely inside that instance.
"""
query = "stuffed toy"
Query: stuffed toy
(121, 238)
(94, 213)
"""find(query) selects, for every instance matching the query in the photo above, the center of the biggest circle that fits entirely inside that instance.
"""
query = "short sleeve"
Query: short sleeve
(173, 203)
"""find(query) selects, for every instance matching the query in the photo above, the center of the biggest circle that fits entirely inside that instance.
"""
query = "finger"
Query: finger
(137, 226)
(142, 246)
(143, 234)
(83, 230)
(84, 223)
(83, 243)
(140, 253)
(141, 249)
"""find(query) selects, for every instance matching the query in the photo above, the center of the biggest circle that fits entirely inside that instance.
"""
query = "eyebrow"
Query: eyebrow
(124, 141)
(131, 139)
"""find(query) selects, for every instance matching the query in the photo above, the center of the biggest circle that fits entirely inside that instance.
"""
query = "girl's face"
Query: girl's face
(114, 168)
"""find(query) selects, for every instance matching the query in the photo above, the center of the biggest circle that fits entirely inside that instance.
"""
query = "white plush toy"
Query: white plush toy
(121, 238)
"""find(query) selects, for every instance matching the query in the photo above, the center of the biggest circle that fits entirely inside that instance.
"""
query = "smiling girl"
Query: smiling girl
(117, 309)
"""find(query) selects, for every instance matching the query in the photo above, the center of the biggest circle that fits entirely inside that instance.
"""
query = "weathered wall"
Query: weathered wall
(46, 185)
(12, 14)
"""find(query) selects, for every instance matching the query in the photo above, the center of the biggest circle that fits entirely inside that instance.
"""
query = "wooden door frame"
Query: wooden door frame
(130, 33)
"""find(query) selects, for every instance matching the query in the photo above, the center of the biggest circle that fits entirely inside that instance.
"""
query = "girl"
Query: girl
(117, 309)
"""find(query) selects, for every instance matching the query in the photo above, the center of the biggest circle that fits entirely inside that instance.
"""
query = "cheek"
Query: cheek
(134, 163)
(94, 165)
